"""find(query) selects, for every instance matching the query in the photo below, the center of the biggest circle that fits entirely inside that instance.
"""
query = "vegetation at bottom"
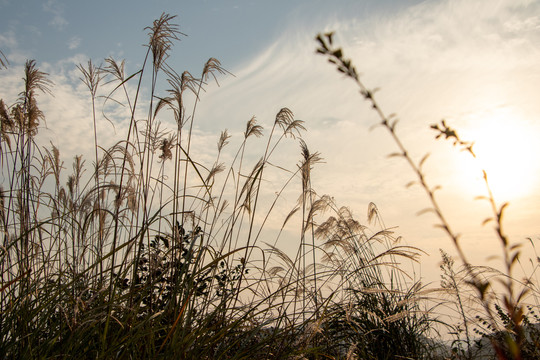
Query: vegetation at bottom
(144, 251)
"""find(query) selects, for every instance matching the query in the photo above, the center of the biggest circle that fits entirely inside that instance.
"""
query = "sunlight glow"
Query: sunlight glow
(504, 144)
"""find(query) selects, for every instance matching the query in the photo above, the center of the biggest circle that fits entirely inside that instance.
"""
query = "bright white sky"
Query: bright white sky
(475, 63)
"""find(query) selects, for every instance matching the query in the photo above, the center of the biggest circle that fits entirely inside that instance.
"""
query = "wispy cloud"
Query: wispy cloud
(68, 112)
(74, 42)
(10, 48)
(434, 60)
(438, 59)
(56, 9)
(7, 39)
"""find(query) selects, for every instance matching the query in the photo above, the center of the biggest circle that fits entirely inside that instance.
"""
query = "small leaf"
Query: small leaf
(329, 37)
(515, 246)
(423, 160)
(424, 211)
(441, 226)
(321, 41)
(486, 221)
(515, 257)
(482, 288)
(503, 206)
(410, 183)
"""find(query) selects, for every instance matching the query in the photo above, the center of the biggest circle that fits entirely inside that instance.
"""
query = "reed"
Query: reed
(144, 251)
(503, 311)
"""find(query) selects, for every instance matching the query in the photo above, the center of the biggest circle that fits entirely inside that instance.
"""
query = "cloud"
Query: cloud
(74, 42)
(434, 60)
(10, 48)
(427, 44)
(7, 39)
(56, 9)
(68, 112)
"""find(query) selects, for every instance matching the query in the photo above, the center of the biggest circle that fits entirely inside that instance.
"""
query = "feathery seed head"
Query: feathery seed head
(71, 184)
(253, 129)
(91, 77)
(34, 80)
(115, 69)
(162, 33)
(284, 117)
(5, 119)
(6, 123)
(26, 113)
(285, 120)
(210, 68)
(223, 140)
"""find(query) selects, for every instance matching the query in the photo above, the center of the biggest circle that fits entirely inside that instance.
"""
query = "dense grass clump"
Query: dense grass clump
(143, 250)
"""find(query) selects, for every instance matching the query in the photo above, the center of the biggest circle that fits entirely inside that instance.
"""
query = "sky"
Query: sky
(474, 63)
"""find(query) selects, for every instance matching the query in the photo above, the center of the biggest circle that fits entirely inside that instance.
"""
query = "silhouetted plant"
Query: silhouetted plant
(155, 254)
(512, 299)
(506, 337)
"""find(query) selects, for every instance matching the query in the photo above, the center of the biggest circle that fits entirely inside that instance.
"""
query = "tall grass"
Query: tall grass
(143, 251)
(504, 316)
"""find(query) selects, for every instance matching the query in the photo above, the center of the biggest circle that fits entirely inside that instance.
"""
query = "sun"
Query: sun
(506, 147)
